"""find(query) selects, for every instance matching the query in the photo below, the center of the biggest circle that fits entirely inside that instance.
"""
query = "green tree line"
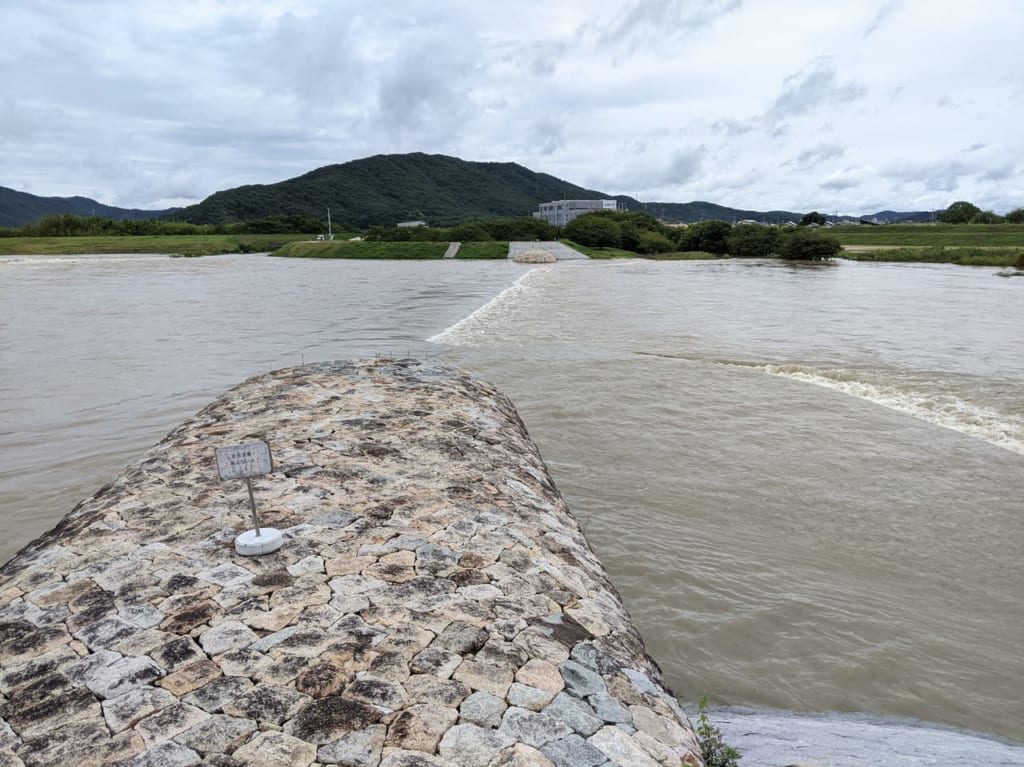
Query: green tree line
(640, 233)
(70, 225)
(963, 212)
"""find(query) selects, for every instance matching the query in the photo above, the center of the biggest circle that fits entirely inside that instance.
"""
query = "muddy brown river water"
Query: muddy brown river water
(807, 483)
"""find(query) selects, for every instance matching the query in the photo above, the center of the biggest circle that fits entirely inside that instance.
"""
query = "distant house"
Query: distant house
(561, 212)
(411, 223)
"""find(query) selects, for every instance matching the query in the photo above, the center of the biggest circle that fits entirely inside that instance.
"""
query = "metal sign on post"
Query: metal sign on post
(245, 461)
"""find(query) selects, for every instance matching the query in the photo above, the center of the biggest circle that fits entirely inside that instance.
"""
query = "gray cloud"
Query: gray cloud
(733, 128)
(641, 166)
(847, 178)
(544, 56)
(999, 173)
(811, 157)
(547, 136)
(942, 176)
(645, 22)
(881, 15)
(815, 87)
(684, 166)
(313, 59)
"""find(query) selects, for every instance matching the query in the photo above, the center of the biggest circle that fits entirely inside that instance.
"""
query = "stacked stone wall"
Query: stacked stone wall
(434, 602)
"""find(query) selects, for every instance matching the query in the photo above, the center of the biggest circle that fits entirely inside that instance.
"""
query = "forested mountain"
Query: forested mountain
(20, 208)
(386, 189)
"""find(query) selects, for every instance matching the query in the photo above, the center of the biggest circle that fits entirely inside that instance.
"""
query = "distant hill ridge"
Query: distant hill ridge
(385, 189)
(20, 208)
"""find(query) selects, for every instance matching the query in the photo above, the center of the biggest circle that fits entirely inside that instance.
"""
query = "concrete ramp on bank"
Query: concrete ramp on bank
(434, 603)
(559, 250)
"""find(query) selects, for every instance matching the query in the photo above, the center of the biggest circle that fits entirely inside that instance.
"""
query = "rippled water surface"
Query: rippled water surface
(807, 483)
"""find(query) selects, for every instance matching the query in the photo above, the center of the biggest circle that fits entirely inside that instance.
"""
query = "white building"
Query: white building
(561, 212)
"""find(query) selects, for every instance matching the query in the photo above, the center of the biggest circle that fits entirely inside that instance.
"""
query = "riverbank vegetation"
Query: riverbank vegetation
(942, 255)
(934, 235)
(363, 249)
(495, 250)
(183, 245)
(714, 750)
(69, 225)
(603, 234)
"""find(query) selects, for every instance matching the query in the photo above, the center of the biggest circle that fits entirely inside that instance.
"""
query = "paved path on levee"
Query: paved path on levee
(557, 249)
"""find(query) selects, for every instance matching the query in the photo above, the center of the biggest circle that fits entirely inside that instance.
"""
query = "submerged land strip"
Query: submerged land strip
(434, 603)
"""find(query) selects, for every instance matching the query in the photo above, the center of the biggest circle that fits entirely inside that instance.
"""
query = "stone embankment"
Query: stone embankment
(434, 602)
(518, 251)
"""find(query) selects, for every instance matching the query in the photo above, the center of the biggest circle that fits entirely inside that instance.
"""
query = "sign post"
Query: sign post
(245, 461)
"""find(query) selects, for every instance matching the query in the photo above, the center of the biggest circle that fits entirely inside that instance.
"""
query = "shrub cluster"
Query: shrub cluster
(640, 233)
(630, 230)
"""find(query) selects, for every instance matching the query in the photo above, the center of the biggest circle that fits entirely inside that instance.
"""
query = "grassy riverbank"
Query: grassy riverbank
(932, 235)
(494, 250)
(186, 245)
(365, 250)
(942, 255)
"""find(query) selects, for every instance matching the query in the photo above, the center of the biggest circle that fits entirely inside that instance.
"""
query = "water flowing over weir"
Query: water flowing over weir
(735, 440)
(434, 603)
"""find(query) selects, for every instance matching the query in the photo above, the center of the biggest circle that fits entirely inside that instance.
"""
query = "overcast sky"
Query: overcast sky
(846, 107)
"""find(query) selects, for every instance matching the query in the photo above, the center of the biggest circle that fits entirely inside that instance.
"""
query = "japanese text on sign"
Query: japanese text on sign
(249, 459)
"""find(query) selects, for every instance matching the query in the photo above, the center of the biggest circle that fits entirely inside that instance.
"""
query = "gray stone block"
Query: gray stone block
(483, 709)
(580, 681)
(610, 710)
(575, 713)
(468, 745)
(217, 735)
(168, 754)
(533, 729)
(573, 751)
(361, 748)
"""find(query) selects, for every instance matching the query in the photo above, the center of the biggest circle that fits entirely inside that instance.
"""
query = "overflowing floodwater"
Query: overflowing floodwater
(806, 482)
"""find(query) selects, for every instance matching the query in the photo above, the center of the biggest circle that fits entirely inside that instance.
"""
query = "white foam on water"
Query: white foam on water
(943, 409)
(782, 739)
(53, 261)
(471, 329)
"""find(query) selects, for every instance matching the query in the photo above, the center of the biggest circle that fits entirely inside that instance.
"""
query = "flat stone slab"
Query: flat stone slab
(434, 601)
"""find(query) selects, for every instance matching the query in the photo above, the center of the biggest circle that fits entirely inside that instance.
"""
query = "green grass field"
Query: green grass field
(366, 250)
(935, 235)
(495, 250)
(941, 255)
(186, 245)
